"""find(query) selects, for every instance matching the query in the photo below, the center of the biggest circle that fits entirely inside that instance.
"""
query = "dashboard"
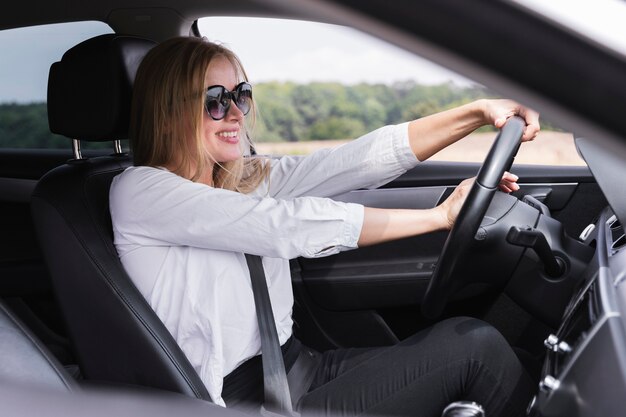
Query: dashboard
(584, 373)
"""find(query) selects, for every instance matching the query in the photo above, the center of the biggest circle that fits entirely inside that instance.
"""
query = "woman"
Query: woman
(193, 204)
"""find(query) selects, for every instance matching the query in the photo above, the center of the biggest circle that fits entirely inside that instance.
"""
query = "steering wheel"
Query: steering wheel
(447, 276)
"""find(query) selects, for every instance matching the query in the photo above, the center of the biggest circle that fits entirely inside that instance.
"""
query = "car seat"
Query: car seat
(115, 334)
(25, 360)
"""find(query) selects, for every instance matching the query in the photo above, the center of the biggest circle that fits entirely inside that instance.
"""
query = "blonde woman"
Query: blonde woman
(195, 202)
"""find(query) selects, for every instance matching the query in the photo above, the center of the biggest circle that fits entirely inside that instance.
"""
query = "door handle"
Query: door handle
(542, 194)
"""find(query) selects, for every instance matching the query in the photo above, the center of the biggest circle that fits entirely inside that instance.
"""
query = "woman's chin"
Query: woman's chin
(230, 157)
(224, 151)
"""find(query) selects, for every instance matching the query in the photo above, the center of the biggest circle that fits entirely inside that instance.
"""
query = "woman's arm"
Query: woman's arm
(428, 135)
(380, 156)
(152, 207)
(368, 162)
(382, 225)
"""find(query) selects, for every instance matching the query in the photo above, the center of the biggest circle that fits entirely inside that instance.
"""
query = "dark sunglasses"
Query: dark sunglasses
(217, 100)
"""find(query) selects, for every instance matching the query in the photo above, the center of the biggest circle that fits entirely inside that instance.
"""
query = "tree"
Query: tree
(337, 128)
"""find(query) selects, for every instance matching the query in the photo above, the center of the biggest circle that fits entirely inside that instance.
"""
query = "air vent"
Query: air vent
(621, 241)
(614, 223)
(617, 233)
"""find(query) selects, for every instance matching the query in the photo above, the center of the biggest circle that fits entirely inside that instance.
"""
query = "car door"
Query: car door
(372, 295)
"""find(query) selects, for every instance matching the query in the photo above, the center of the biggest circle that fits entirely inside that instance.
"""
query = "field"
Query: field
(549, 148)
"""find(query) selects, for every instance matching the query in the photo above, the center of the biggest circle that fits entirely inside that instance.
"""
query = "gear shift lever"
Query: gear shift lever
(534, 239)
(463, 409)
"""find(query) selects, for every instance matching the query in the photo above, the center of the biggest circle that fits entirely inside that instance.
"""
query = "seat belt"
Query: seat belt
(276, 388)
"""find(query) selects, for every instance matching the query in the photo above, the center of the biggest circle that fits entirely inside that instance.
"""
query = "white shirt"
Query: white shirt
(182, 242)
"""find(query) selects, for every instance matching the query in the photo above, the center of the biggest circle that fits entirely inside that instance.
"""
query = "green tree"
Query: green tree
(336, 128)
(420, 109)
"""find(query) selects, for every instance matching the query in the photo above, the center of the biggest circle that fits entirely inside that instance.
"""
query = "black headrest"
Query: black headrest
(89, 90)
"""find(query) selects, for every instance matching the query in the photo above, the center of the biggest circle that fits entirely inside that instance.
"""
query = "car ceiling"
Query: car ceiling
(138, 17)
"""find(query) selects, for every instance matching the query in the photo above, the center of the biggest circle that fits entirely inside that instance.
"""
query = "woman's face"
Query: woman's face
(222, 137)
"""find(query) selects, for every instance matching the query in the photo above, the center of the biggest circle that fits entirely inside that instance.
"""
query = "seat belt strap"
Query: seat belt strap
(276, 388)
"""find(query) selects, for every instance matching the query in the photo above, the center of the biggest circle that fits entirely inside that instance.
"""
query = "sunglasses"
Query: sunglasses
(218, 99)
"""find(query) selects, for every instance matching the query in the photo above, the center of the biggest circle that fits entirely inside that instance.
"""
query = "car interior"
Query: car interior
(544, 265)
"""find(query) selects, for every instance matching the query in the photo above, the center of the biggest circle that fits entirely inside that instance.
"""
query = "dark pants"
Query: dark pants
(456, 359)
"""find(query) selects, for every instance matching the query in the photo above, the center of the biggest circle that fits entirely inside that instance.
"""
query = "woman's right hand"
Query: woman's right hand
(497, 112)
(450, 208)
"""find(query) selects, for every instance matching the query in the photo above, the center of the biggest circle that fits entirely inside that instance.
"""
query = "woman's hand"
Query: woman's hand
(450, 208)
(508, 183)
(497, 112)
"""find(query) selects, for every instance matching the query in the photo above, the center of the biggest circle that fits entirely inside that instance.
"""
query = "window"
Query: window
(330, 84)
(27, 54)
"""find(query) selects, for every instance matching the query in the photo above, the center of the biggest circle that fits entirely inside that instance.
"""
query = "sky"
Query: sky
(319, 52)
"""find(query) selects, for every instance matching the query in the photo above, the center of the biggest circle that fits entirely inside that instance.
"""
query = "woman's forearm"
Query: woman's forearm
(382, 225)
(428, 135)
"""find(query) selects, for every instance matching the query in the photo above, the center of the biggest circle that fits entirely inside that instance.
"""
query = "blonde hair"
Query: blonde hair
(167, 110)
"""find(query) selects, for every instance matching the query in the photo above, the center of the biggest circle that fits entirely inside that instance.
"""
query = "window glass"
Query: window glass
(27, 54)
(330, 84)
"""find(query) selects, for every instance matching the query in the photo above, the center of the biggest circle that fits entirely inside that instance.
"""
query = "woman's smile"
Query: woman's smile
(228, 136)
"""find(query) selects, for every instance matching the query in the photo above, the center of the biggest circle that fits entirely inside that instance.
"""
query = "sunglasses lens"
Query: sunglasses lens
(216, 103)
(244, 97)
(217, 100)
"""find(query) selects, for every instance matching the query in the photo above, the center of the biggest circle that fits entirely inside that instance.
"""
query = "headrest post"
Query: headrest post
(117, 147)
(76, 148)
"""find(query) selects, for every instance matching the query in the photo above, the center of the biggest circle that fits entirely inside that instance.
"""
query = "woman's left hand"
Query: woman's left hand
(450, 208)
(508, 183)
(497, 112)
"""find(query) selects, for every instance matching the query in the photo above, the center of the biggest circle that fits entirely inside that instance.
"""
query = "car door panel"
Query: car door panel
(399, 198)
(387, 275)
(21, 267)
(395, 275)
(24, 280)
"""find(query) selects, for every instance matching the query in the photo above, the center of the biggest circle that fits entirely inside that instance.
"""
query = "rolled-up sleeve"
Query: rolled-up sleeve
(170, 210)
(368, 162)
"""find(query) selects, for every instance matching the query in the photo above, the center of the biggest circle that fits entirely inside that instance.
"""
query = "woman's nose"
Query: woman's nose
(234, 113)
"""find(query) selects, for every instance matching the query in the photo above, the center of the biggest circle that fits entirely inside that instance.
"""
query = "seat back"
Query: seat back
(116, 334)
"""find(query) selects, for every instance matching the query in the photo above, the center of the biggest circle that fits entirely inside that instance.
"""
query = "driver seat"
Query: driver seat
(116, 335)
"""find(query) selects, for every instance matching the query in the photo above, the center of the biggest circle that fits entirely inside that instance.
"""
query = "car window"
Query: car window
(331, 84)
(27, 54)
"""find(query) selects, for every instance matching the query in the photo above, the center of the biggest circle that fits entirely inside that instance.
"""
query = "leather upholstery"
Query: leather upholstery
(116, 335)
(25, 359)
(89, 90)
